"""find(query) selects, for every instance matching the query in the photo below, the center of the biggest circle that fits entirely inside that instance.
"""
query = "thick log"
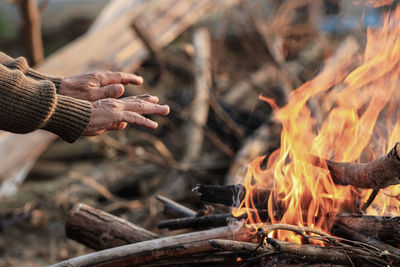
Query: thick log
(380, 173)
(100, 230)
(159, 249)
(174, 209)
(302, 253)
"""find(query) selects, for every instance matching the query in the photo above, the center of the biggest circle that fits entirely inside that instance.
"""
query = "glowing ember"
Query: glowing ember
(360, 110)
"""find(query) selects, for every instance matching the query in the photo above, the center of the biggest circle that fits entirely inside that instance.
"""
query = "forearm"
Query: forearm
(22, 65)
(27, 105)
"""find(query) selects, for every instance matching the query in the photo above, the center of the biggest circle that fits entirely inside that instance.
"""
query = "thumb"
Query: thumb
(109, 91)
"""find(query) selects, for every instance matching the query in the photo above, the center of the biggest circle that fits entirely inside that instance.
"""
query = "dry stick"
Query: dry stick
(303, 253)
(175, 209)
(100, 230)
(32, 30)
(200, 105)
(159, 249)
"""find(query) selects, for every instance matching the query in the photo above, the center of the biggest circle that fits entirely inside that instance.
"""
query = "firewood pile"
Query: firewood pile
(184, 195)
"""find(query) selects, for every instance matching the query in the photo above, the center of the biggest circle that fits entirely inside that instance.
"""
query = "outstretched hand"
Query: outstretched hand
(97, 85)
(115, 114)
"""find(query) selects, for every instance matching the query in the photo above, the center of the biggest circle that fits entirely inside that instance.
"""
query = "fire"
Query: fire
(360, 107)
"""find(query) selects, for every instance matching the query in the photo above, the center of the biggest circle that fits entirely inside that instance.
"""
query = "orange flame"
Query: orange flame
(360, 108)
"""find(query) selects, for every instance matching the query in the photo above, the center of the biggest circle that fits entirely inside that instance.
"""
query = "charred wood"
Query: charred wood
(213, 220)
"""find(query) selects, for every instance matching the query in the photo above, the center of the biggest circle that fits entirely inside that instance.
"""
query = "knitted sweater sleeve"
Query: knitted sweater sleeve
(27, 105)
(21, 64)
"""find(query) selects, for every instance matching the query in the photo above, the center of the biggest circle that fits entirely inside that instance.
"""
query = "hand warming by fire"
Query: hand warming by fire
(347, 160)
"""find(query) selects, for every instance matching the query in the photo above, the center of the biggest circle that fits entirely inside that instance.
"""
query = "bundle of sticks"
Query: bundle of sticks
(358, 239)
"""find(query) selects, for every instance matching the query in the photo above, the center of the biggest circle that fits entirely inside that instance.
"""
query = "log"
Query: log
(380, 173)
(100, 230)
(174, 209)
(302, 253)
(159, 249)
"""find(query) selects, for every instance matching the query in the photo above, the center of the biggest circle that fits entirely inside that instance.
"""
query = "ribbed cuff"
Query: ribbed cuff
(70, 118)
(22, 65)
(38, 76)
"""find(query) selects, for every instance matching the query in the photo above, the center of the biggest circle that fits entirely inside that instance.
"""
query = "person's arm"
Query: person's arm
(21, 64)
(27, 104)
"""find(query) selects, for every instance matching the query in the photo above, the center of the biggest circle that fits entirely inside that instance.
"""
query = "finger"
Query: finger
(148, 98)
(94, 133)
(118, 126)
(108, 91)
(135, 118)
(107, 78)
(144, 107)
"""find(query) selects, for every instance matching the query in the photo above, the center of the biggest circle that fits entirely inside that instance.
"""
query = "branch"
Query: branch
(380, 173)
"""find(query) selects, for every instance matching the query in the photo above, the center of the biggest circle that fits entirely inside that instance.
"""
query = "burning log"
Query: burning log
(380, 173)
(100, 230)
(159, 249)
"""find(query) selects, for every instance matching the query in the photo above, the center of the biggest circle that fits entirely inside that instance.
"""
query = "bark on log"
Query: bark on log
(99, 230)
(159, 249)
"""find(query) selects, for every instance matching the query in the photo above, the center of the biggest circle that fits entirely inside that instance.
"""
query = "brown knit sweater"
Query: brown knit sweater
(29, 101)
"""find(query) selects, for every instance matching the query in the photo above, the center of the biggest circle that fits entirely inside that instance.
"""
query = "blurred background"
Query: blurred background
(217, 123)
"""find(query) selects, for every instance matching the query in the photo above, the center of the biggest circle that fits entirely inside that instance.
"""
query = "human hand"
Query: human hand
(97, 85)
(115, 114)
